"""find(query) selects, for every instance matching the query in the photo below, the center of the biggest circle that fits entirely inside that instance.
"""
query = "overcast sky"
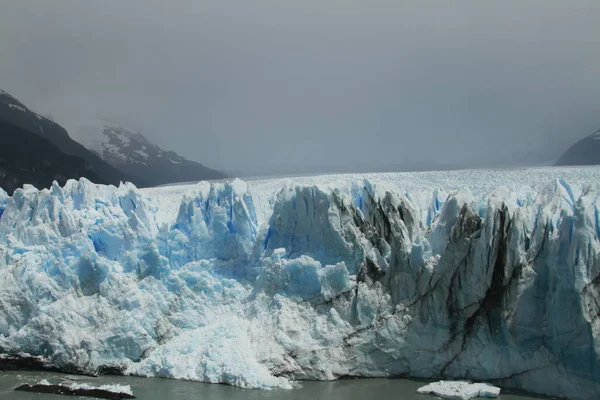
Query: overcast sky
(271, 84)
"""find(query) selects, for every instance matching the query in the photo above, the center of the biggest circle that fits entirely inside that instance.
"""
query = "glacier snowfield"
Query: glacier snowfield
(482, 275)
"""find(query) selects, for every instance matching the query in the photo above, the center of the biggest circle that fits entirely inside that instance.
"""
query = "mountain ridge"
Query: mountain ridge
(27, 158)
(130, 151)
(17, 114)
(584, 152)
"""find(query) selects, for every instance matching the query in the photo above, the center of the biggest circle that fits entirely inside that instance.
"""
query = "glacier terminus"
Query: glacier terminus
(474, 275)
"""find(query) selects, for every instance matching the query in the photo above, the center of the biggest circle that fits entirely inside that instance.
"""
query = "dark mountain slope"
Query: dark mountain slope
(29, 158)
(17, 114)
(584, 152)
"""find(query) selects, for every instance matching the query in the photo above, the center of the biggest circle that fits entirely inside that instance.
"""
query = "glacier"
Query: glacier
(481, 275)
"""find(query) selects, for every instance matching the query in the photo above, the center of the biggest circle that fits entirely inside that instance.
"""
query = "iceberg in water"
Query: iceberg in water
(460, 390)
(113, 392)
(479, 275)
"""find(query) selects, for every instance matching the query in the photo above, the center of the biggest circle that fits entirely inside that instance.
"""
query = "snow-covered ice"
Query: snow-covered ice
(79, 389)
(480, 275)
(114, 388)
(460, 390)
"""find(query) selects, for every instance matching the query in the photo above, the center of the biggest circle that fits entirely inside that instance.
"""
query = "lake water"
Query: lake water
(163, 389)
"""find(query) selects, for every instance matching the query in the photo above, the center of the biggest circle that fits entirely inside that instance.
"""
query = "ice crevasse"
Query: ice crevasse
(257, 285)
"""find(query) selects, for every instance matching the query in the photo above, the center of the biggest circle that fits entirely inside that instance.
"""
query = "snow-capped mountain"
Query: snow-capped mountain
(481, 275)
(584, 152)
(15, 113)
(129, 151)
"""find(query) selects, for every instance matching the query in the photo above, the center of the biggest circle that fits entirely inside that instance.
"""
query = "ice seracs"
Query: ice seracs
(491, 277)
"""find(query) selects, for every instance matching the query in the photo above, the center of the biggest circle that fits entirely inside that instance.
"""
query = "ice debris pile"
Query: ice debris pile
(258, 284)
(460, 390)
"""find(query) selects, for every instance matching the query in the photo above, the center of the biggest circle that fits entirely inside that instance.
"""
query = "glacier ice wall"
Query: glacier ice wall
(256, 288)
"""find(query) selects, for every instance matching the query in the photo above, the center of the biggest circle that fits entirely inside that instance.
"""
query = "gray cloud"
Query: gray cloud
(253, 86)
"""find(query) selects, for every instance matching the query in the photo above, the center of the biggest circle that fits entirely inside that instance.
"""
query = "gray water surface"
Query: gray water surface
(162, 389)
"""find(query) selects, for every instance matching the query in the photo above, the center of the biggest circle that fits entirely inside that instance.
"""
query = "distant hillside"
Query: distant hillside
(129, 151)
(17, 114)
(29, 158)
(584, 152)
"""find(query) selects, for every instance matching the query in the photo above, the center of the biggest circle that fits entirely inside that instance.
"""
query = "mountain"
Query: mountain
(29, 158)
(17, 114)
(475, 275)
(584, 152)
(129, 151)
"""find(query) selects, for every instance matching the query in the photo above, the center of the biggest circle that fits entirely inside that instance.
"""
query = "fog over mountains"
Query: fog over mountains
(287, 86)
(129, 151)
(38, 151)
(584, 152)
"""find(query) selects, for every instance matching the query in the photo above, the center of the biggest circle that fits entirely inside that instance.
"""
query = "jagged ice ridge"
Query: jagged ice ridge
(490, 275)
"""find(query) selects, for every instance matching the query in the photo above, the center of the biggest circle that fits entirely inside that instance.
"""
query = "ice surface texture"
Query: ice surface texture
(490, 275)
(460, 390)
(115, 392)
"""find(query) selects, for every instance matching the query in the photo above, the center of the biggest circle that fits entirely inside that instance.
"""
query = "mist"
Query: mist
(273, 87)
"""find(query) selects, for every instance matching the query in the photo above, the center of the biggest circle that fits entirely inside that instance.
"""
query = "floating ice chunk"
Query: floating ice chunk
(108, 388)
(459, 390)
(488, 391)
(80, 389)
